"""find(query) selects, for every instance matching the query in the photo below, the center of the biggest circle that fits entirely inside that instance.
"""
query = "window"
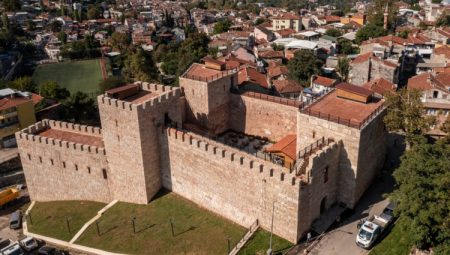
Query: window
(325, 175)
(64, 164)
(435, 94)
(105, 176)
(118, 138)
(51, 161)
(117, 124)
(76, 167)
(29, 156)
(89, 169)
(40, 159)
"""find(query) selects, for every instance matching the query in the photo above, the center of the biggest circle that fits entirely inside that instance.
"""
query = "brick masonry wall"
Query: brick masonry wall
(59, 170)
(259, 117)
(359, 73)
(226, 181)
(354, 160)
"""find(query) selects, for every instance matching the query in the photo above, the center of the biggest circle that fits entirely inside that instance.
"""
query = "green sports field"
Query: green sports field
(83, 75)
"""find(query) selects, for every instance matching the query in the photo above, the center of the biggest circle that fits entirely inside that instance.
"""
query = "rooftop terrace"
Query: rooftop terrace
(132, 93)
(344, 111)
(202, 73)
(75, 137)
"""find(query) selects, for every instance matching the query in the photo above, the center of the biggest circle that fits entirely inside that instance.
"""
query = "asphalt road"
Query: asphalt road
(341, 239)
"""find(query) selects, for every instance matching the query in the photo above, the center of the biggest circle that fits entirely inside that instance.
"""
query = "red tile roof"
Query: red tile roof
(287, 146)
(324, 81)
(354, 89)
(271, 54)
(421, 82)
(287, 16)
(248, 74)
(7, 102)
(287, 86)
(380, 86)
(275, 71)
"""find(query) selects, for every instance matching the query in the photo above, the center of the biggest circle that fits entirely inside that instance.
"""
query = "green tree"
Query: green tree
(222, 26)
(111, 82)
(443, 20)
(371, 30)
(120, 41)
(303, 66)
(5, 22)
(93, 12)
(192, 50)
(80, 108)
(422, 195)
(55, 26)
(62, 37)
(11, 5)
(139, 66)
(333, 32)
(24, 84)
(405, 114)
(51, 89)
(343, 68)
(345, 46)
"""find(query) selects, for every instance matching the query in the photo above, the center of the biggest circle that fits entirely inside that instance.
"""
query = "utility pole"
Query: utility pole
(269, 251)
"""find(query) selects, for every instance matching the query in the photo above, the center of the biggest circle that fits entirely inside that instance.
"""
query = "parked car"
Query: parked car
(12, 249)
(15, 220)
(47, 250)
(28, 243)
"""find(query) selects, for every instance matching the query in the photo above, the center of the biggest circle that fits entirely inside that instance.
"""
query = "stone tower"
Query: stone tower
(132, 117)
(207, 91)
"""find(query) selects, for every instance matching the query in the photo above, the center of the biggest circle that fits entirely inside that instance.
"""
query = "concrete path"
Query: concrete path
(91, 221)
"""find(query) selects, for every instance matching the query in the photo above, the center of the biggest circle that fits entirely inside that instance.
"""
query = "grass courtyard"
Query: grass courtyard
(49, 218)
(196, 230)
(397, 242)
(259, 243)
(83, 75)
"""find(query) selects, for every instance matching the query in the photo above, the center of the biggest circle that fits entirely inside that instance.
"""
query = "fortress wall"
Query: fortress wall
(76, 128)
(354, 160)
(231, 183)
(60, 170)
(264, 118)
(316, 189)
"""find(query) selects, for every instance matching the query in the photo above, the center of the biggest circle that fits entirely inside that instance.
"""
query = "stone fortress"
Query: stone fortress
(155, 136)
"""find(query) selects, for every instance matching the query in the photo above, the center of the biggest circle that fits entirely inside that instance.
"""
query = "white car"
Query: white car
(28, 243)
(12, 249)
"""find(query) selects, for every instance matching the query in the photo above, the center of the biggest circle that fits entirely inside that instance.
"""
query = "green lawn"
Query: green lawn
(259, 243)
(196, 230)
(84, 75)
(397, 242)
(49, 218)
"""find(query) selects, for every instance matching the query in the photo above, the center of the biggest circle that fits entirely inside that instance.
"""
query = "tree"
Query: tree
(80, 108)
(55, 26)
(62, 37)
(345, 46)
(343, 68)
(422, 195)
(333, 32)
(443, 20)
(405, 114)
(222, 26)
(11, 5)
(51, 89)
(110, 83)
(24, 84)
(120, 41)
(93, 12)
(303, 66)
(139, 66)
(192, 50)
(371, 30)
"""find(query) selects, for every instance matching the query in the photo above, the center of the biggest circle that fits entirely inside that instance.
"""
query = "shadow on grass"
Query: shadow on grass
(185, 231)
(143, 229)
(107, 231)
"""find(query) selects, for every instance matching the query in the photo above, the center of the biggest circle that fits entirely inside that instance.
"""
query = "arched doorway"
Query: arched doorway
(323, 205)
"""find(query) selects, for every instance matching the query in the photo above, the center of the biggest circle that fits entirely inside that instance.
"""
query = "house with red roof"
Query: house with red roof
(320, 84)
(380, 87)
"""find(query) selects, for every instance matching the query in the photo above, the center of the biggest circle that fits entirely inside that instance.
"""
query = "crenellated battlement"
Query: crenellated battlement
(158, 94)
(32, 133)
(224, 152)
(318, 156)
